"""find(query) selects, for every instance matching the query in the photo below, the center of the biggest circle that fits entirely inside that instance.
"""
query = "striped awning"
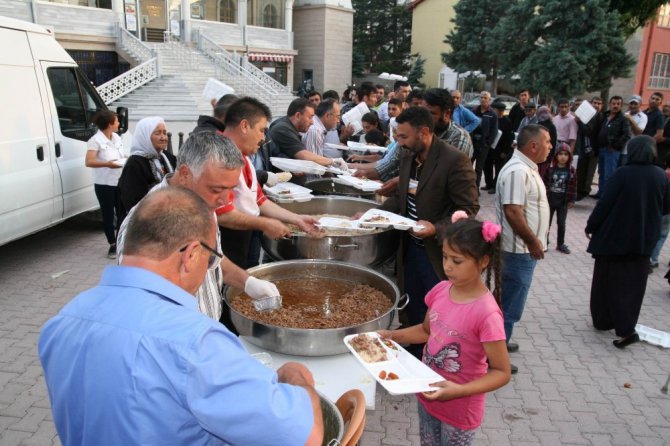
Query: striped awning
(268, 57)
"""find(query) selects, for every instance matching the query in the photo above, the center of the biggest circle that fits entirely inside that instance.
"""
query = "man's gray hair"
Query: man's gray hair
(205, 147)
(529, 133)
(165, 220)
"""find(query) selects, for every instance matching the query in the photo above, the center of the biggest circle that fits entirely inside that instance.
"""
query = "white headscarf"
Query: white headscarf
(142, 146)
(142, 138)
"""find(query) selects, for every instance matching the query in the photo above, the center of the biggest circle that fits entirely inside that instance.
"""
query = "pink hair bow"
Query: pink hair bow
(490, 231)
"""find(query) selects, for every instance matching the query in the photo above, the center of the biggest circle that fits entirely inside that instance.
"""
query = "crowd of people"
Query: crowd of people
(155, 333)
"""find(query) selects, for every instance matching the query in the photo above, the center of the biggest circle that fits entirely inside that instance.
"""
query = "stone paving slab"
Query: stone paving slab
(569, 390)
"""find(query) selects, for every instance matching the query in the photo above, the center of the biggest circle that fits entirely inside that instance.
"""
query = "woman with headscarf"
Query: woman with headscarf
(544, 119)
(148, 162)
(623, 229)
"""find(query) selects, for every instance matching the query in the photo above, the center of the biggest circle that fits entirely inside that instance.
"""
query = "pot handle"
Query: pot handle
(350, 245)
(402, 307)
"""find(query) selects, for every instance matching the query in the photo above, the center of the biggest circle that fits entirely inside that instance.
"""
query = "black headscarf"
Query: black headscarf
(641, 150)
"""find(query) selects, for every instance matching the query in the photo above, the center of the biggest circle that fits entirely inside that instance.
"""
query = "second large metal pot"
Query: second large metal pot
(312, 342)
(364, 249)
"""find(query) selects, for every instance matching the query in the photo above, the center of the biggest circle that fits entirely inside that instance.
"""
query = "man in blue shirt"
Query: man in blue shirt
(133, 361)
(462, 115)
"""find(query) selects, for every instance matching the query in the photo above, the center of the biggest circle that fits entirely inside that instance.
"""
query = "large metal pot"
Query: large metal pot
(364, 249)
(327, 186)
(312, 342)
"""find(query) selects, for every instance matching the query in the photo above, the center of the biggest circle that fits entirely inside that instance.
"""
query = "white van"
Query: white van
(45, 121)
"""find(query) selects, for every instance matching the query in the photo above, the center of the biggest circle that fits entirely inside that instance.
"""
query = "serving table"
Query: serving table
(333, 375)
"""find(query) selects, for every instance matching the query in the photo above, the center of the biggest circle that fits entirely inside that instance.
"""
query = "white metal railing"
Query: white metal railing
(245, 81)
(129, 81)
(132, 79)
(138, 49)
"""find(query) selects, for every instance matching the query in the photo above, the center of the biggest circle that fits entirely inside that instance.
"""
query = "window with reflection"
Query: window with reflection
(266, 13)
(104, 4)
(228, 11)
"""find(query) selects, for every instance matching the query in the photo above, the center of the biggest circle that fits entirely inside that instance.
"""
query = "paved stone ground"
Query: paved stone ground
(569, 390)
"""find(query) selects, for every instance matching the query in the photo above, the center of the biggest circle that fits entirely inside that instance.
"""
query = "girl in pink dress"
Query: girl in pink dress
(463, 332)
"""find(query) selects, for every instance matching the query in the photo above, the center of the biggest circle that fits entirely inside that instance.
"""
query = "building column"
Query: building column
(186, 21)
(288, 21)
(242, 19)
(118, 8)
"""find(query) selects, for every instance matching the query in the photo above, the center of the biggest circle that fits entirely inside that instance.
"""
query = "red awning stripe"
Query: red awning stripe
(267, 57)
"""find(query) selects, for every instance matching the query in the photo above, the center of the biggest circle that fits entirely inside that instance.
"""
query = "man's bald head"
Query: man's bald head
(166, 220)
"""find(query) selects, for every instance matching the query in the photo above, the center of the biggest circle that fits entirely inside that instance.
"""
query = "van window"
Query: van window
(76, 102)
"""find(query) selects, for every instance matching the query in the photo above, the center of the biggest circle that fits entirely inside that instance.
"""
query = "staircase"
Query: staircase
(176, 94)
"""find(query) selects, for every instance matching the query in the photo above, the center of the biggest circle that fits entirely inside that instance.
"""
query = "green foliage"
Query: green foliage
(635, 14)
(382, 35)
(561, 47)
(471, 38)
(417, 71)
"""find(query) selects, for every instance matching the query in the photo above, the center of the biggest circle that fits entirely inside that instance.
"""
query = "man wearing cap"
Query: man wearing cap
(637, 119)
(531, 118)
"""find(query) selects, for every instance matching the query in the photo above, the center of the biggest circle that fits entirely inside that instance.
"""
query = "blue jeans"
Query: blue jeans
(517, 274)
(608, 161)
(419, 279)
(665, 229)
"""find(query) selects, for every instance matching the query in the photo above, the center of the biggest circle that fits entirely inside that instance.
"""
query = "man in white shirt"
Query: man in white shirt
(637, 119)
(326, 118)
(523, 211)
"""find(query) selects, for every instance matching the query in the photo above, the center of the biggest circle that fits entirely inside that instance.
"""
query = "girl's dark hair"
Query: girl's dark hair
(376, 137)
(466, 236)
(104, 118)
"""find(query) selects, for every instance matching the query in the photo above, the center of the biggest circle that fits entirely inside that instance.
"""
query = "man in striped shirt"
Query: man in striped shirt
(523, 211)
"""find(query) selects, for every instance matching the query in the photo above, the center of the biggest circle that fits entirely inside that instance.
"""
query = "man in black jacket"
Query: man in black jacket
(484, 135)
(215, 123)
(612, 136)
(587, 149)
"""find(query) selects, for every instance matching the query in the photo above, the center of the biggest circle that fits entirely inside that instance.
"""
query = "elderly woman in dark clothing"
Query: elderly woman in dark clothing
(148, 163)
(623, 228)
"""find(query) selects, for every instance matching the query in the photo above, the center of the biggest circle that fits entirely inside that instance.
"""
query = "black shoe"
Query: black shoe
(628, 340)
(514, 369)
(485, 188)
(596, 196)
(512, 347)
(564, 249)
(111, 252)
(492, 191)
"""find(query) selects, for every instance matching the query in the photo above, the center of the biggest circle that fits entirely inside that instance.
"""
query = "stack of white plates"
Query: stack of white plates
(359, 183)
(298, 166)
(288, 193)
(360, 147)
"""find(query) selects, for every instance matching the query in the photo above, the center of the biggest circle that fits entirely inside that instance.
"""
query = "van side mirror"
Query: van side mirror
(122, 113)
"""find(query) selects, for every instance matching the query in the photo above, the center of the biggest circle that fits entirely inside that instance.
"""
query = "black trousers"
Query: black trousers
(586, 169)
(617, 291)
(110, 207)
(481, 154)
(561, 215)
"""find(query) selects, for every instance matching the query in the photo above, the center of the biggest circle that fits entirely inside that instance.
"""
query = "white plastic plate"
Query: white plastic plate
(361, 147)
(336, 146)
(297, 166)
(342, 224)
(397, 221)
(360, 183)
(413, 375)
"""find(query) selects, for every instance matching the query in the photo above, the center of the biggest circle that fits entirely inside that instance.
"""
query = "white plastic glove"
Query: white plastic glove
(284, 176)
(273, 179)
(264, 294)
(339, 163)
